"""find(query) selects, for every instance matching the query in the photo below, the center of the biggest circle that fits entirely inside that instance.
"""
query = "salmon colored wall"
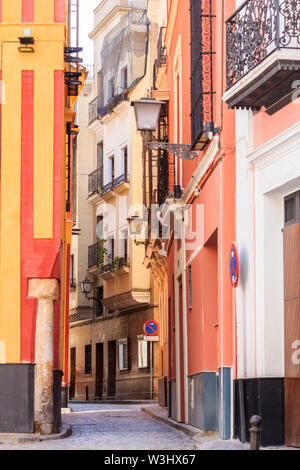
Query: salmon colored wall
(267, 127)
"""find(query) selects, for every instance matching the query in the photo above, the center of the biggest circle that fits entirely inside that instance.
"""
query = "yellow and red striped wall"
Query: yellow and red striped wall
(32, 212)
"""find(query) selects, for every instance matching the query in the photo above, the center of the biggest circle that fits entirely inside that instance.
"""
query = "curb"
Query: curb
(28, 438)
(113, 402)
(190, 431)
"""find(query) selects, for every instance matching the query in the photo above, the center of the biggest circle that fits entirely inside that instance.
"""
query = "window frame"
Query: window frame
(123, 344)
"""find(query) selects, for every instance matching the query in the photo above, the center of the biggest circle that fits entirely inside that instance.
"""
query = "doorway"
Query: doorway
(112, 366)
(73, 373)
(181, 346)
(291, 250)
(99, 371)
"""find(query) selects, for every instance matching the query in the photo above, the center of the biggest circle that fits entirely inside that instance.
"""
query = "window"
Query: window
(143, 355)
(123, 354)
(124, 78)
(100, 227)
(190, 288)
(111, 161)
(99, 303)
(88, 359)
(111, 88)
(292, 208)
(72, 280)
(125, 161)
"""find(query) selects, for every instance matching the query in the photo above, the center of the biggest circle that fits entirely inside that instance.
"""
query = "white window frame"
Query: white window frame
(143, 354)
(123, 358)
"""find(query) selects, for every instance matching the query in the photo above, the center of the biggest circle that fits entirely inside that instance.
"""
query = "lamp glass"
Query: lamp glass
(86, 286)
(147, 112)
(135, 225)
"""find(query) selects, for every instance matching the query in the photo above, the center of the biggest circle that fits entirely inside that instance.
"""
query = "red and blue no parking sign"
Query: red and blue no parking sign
(151, 328)
(234, 265)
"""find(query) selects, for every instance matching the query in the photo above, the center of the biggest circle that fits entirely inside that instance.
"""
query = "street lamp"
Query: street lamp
(86, 287)
(147, 112)
(136, 223)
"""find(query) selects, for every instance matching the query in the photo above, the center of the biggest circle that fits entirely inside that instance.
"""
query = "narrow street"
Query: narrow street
(112, 427)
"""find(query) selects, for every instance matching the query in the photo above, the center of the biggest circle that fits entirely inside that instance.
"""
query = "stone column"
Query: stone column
(45, 291)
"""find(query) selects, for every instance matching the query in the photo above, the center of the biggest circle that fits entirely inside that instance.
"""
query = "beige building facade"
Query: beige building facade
(109, 356)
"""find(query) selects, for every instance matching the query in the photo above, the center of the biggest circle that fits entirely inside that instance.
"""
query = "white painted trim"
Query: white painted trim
(202, 168)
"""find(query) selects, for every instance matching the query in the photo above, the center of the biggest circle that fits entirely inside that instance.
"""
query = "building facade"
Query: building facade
(109, 355)
(36, 129)
(198, 206)
(264, 89)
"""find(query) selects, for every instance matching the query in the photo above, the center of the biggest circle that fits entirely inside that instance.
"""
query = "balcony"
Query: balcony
(96, 186)
(203, 63)
(93, 110)
(263, 54)
(108, 270)
(95, 181)
(161, 60)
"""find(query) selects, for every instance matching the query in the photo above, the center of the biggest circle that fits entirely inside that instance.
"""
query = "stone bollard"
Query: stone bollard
(255, 432)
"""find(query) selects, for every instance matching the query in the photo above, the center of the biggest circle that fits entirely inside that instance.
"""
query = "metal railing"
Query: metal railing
(114, 183)
(93, 110)
(256, 30)
(96, 181)
(114, 265)
(161, 58)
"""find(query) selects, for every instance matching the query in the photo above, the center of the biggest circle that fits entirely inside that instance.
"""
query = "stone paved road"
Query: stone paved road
(113, 427)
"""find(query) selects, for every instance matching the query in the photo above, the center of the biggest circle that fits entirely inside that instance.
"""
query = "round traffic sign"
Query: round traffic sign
(151, 328)
(234, 265)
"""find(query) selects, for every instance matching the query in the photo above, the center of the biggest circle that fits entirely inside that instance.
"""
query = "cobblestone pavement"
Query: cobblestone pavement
(112, 427)
(123, 427)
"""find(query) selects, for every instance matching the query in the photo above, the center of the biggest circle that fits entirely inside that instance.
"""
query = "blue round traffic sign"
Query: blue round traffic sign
(151, 328)
(234, 265)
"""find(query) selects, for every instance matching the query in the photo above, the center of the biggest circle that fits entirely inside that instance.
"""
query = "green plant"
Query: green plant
(101, 251)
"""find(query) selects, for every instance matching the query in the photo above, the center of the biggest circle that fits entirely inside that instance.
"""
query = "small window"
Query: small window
(99, 303)
(123, 354)
(124, 78)
(292, 208)
(88, 359)
(111, 88)
(190, 288)
(143, 355)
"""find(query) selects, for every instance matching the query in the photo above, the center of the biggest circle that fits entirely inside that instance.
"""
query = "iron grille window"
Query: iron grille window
(88, 359)
(292, 209)
(99, 303)
(202, 63)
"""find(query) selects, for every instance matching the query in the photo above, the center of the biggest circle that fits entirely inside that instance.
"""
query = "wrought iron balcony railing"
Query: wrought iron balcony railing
(93, 110)
(256, 30)
(114, 184)
(203, 63)
(114, 265)
(96, 181)
(161, 59)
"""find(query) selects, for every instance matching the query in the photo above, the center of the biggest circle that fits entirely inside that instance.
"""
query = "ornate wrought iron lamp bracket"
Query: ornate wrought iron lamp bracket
(183, 151)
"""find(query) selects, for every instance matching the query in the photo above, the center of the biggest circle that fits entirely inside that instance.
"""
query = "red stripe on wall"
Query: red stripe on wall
(59, 11)
(27, 11)
(40, 258)
(27, 128)
(67, 324)
(57, 189)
